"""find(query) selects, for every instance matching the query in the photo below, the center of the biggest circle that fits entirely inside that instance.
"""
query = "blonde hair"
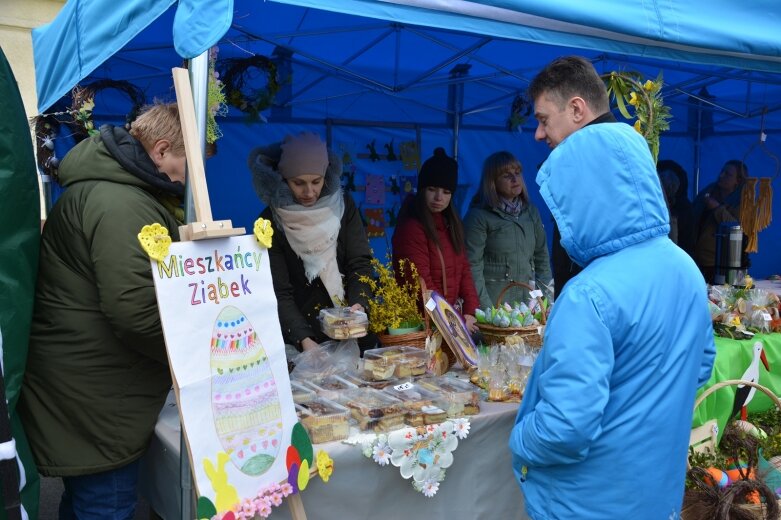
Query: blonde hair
(157, 122)
(496, 165)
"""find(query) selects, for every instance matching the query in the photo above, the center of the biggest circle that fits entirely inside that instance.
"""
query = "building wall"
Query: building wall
(17, 20)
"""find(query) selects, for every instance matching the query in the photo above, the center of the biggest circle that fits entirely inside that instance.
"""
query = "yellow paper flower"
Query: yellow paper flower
(735, 321)
(638, 127)
(633, 98)
(749, 282)
(649, 85)
(155, 241)
(325, 465)
(263, 231)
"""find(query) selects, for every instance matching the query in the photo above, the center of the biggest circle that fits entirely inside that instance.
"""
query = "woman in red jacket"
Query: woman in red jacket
(430, 234)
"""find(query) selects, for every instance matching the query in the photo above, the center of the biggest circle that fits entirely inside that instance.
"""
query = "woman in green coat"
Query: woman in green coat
(505, 239)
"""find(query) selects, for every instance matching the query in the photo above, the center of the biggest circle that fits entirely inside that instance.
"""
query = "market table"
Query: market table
(769, 285)
(732, 359)
(479, 484)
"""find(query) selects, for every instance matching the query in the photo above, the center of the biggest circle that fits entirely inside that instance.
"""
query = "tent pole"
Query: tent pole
(697, 152)
(199, 79)
(198, 68)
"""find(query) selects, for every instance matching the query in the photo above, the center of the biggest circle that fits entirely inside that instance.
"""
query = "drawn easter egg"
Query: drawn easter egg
(245, 401)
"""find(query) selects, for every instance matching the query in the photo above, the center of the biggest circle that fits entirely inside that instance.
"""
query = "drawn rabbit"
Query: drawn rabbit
(226, 495)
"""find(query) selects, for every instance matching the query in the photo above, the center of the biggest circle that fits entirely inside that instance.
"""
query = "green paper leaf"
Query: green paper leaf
(205, 508)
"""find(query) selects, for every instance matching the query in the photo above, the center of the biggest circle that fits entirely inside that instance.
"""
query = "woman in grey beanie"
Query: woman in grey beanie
(320, 247)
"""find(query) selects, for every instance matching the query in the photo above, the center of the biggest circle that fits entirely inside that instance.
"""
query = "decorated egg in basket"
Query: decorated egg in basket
(245, 401)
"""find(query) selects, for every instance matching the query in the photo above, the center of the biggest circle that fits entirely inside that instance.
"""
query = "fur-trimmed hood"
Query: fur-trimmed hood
(272, 188)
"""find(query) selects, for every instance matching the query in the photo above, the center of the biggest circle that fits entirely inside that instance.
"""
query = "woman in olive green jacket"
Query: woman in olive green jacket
(505, 239)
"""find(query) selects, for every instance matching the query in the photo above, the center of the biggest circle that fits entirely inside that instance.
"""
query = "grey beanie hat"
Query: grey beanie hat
(303, 154)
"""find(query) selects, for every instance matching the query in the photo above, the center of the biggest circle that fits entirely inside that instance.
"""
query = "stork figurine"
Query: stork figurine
(745, 393)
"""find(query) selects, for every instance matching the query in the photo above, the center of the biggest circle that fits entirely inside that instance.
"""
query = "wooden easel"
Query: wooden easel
(204, 227)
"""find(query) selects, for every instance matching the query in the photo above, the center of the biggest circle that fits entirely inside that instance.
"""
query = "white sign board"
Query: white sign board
(227, 356)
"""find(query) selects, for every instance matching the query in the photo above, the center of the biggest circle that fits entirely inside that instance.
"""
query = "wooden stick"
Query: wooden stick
(204, 226)
(296, 506)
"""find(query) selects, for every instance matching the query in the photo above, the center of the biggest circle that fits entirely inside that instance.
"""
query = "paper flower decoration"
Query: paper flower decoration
(325, 465)
(429, 488)
(155, 241)
(422, 453)
(263, 231)
(461, 428)
(381, 454)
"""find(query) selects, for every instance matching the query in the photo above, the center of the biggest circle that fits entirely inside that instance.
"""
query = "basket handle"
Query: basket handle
(423, 293)
(500, 298)
(730, 382)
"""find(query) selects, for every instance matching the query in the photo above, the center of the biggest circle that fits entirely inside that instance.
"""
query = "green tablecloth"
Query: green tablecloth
(732, 359)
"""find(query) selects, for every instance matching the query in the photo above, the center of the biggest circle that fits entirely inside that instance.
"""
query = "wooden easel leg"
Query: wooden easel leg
(296, 507)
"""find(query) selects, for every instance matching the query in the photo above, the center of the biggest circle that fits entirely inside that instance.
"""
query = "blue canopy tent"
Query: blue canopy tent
(438, 73)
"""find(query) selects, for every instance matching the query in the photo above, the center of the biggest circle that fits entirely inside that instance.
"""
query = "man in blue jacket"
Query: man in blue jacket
(604, 426)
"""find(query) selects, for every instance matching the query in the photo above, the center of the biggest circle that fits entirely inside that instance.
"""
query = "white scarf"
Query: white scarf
(313, 233)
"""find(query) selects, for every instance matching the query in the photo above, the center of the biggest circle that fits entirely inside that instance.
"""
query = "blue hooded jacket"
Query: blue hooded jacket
(603, 429)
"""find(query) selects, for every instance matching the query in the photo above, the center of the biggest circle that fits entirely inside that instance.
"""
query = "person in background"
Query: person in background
(320, 249)
(505, 239)
(430, 234)
(675, 184)
(718, 202)
(97, 371)
(611, 379)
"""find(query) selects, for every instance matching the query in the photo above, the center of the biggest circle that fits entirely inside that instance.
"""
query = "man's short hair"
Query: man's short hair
(157, 122)
(568, 77)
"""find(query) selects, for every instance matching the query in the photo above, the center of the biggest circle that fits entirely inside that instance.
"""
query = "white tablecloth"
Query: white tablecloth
(479, 484)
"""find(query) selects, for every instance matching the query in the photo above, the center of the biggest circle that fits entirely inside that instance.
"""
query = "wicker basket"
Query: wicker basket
(758, 511)
(531, 335)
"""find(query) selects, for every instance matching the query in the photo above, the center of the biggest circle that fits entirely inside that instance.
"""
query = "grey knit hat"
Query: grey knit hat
(303, 154)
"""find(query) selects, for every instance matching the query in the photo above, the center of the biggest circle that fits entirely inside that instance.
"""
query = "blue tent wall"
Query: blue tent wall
(376, 87)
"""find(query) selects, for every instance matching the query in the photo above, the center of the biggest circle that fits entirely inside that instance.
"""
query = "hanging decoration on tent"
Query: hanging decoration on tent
(519, 113)
(653, 116)
(46, 129)
(410, 156)
(78, 116)
(240, 74)
(373, 155)
(391, 216)
(83, 104)
(756, 214)
(375, 222)
(346, 157)
(391, 155)
(375, 189)
(215, 101)
(348, 177)
(408, 183)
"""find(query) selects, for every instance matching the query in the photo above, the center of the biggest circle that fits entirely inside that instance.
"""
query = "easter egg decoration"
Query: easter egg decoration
(245, 401)
(300, 440)
(292, 458)
(716, 477)
(303, 475)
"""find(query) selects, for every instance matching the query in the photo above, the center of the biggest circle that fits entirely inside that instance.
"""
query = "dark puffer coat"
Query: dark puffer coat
(298, 300)
(97, 372)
